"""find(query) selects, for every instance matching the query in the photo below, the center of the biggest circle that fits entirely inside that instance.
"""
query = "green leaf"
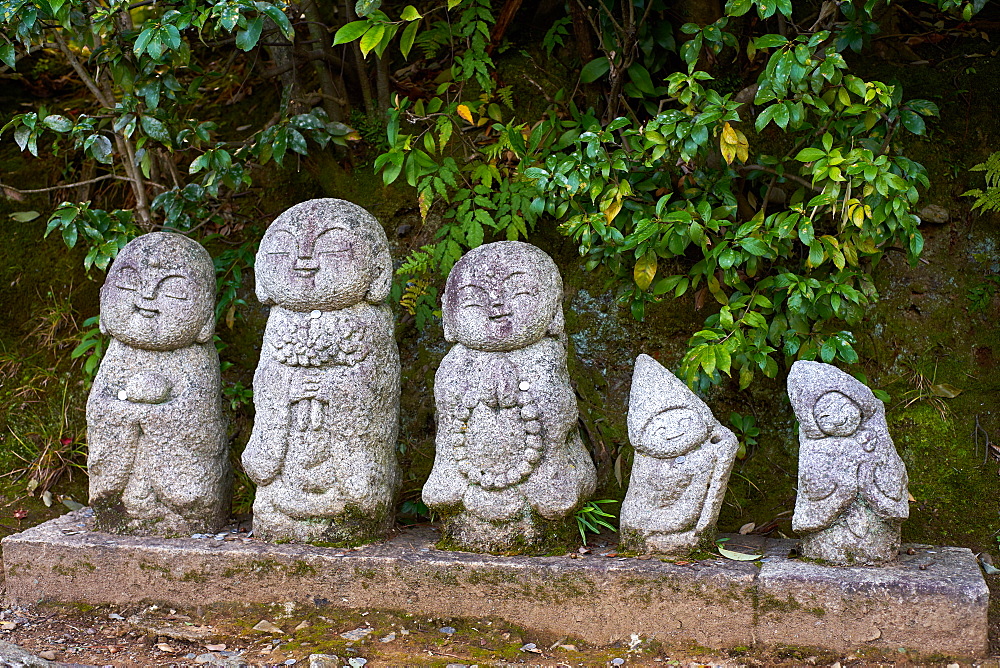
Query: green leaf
(765, 117)
(279, 18)
(100, 148)
(809, 155)
(25, 216)
(815, 253)
(923, 107)
(371, 39)
(155, 128)
(142, 42)
(781, 115)
(640, 77)
(366, 7)
(350, 32)
(770, 41)
(410, 13)
(912, 121)
(58, 123)
(828, 351)
(594, 70)
(69, 235)
(247, 39)
(406, 39)
(738, 7)
(755, 246)
(7, 55)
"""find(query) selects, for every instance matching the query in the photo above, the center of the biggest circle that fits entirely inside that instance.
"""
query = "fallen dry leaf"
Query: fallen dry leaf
(164, 647)
(216, 648)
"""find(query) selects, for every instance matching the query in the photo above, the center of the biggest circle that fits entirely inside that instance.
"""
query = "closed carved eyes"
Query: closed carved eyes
(174, 287)
(127, 279)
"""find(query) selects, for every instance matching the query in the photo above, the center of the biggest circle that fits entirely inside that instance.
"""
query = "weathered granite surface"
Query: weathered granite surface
(158, 458)
(852, 491)
(509, 464)
(326, 390)
(938, 609)
(683, 458)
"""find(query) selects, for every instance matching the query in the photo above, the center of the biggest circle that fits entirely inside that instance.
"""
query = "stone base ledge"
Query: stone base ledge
(938, 609)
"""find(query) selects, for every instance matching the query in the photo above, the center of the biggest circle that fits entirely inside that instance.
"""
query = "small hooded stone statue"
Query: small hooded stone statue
(158, 458)
(683, 458)
(509, 464)
(852, 491)
(326, 390)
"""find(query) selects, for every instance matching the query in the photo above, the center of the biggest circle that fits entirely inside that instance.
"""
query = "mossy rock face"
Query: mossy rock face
(530, 534)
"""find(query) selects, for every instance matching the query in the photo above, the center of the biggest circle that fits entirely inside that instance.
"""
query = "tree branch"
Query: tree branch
(82, 73)
(32, 191)
(790, 177)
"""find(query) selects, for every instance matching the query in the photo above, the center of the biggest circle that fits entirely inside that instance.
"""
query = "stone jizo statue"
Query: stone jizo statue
(158, 459)
(852, 490)
(683, 458)
(509, 464)
(326, 390)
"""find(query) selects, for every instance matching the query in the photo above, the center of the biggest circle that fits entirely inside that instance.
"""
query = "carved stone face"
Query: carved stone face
(836, 414)
(322, 254)
(672, 432)
(502, 297)
(160, 293)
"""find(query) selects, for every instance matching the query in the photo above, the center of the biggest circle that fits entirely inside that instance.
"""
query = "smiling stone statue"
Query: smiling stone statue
(852, 491)
(322, 450)
(509, 465)
(683, 458)
(158, 460)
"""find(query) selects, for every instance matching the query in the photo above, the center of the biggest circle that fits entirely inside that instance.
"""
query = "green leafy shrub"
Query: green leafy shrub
(775, 207)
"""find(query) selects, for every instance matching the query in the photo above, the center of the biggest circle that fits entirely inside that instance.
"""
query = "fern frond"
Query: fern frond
(988, 200)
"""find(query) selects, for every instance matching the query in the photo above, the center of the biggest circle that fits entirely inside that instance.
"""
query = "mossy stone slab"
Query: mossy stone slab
(713, 602)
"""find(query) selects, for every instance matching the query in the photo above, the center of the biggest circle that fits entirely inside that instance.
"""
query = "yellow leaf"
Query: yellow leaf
(742, 147)
(742, 153)
(729, 134)
(645, 270)
(424, 200)
(728, 150)
(353, 136)
(464, 112)
(858, 215)
(613, 207)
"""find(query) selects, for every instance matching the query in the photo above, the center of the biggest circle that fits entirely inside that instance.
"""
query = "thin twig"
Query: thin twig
(67, 185)
(792, 177)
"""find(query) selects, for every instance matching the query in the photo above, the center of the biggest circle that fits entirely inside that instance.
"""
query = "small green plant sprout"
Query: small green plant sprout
(238, 395)
(989, 199)
(91, 348)
(746, 430)
(590, 518)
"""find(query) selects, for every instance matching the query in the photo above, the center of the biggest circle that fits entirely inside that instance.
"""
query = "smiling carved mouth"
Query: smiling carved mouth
(306, 272)
(147, 312)
(499, 316)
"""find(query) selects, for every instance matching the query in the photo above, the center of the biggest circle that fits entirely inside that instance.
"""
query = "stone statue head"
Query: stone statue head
(324, 254)
(836, 414)
(502, 296)
(160, 293)
(665, 418)
(828, 401)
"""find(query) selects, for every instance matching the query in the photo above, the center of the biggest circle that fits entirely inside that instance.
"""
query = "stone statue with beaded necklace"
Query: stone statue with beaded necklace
(509, 466)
